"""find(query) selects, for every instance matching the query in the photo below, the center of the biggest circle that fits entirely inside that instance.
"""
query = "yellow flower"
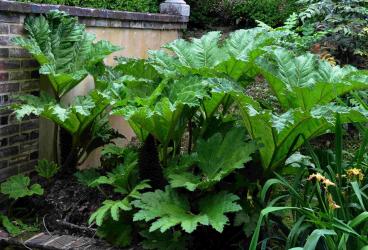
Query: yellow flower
(320, 178)
(328, 183)
(332, 203)
(355, 173)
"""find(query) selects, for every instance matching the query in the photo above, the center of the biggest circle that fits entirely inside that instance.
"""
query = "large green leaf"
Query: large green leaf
(305, 81)
(168, 209)
(216, 158)
(281, 135)
(199, 55)
(113, 208)
(208, 57)
(18, 186)
(216, 205)
(75, 118)
(64, 50)
(163, 114)
(242, 48)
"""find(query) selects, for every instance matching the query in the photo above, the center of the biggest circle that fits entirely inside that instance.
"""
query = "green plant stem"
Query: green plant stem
(190, 128)
(10, 208)
(338, 150)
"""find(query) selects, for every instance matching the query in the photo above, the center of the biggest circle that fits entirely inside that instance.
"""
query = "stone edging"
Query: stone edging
(105, 18)
(56, 242)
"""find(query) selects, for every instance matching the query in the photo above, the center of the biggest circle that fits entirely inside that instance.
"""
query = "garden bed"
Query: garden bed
(61, 215)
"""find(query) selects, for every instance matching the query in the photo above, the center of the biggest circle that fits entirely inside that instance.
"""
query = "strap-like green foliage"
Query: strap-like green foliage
(64, 50)
(18, 186)
(74, 118)
(168, 209)
(216, 158)
(46, 169)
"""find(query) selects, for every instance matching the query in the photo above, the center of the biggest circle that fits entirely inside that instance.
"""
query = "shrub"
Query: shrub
(346, 23)
(127, 5)
(211, 12)
(243, 12)
(193, 92)
(271, 12)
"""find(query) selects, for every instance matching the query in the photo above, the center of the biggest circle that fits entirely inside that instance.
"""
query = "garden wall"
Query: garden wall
(135, 32)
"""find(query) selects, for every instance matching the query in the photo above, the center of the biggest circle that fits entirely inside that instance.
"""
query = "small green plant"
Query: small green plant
(47, 169)
(86, 177)
(19, 186)
(117, 213)
(16, 227)
(112, 155)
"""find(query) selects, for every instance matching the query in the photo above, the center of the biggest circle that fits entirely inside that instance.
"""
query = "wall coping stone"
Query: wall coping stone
(157, 18)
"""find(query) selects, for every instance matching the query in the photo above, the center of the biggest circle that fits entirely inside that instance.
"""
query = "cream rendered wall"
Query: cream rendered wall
(135, 43)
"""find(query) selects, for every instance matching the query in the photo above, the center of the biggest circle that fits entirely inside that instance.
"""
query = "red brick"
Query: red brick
(9, 87)
(4, 76)
(4, 28)
(6, 152)
(9, 18)
(19, 53)
(19, 75)
(18, 159)
(26, 167)
(30, 85)
(16, 29)
(5, 40)
(30, 64)
(28, 146)
(18, 138)
(9, 130)
(9, 64)
(4, 52)
(3, 164)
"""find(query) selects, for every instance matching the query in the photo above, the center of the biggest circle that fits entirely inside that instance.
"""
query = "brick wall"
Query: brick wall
(18, 73)
(22, 143)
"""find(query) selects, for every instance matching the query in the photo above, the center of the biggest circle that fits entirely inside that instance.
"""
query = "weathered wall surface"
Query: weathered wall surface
(22, 143)
(18, 73)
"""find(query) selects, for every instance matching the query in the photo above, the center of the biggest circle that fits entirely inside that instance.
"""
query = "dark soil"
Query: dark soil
(64, 208)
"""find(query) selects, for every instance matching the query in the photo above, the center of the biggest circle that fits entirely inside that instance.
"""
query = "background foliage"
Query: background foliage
(245, 12)
(127, 5)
